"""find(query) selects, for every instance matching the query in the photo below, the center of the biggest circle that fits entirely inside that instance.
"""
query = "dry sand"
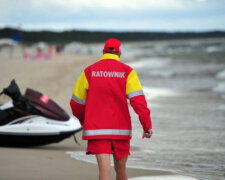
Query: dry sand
(55, 78)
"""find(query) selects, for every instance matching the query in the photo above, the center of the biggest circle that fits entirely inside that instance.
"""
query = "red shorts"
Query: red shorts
(120, 148)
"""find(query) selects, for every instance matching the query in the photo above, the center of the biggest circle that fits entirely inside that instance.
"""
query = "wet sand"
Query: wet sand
(52, 162)
(55, 78)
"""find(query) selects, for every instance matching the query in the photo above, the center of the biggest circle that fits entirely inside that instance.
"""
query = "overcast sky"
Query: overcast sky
(114, 15)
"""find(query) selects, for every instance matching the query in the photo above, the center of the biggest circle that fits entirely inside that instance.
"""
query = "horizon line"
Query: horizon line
(113, 31)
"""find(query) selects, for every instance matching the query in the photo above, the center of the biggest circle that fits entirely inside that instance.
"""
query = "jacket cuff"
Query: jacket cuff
(147, 125)
(78, 110)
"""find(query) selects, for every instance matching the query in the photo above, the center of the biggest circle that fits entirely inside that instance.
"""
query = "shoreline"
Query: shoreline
(56, 79)
(52, 162)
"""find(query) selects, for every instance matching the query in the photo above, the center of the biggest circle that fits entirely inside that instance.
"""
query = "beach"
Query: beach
(55, 78)
(184, 85)
(51, 162)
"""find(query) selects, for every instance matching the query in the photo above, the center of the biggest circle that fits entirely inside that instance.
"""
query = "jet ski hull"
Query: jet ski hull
(36, 130)
(33, 139)
(33, 119)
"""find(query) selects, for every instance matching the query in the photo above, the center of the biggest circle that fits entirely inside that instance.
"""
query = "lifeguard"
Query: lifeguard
(99, 101)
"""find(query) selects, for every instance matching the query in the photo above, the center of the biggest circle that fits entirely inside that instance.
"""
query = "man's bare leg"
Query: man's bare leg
(104, 166)
(120, 168)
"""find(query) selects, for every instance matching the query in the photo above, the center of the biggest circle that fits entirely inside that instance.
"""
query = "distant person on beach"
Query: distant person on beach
(99, 101)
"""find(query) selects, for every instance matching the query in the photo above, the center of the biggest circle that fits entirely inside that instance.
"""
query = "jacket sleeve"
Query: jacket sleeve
(78, 100)
(137, 99)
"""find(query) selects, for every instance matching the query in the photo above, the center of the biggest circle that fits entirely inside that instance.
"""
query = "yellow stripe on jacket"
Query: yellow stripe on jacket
(81, 87)
(133, 86)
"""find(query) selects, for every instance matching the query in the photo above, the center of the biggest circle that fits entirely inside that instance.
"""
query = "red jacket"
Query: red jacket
(99, 100)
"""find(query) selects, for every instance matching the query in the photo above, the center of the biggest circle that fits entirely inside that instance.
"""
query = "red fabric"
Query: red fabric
(112, 45)
(120, 148)
(139, 105)
(78, 110)
(106, 103)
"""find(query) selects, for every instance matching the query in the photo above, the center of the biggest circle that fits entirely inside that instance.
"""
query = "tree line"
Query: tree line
(99, 36)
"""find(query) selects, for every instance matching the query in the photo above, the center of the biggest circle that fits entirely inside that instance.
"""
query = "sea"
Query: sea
(184, 84)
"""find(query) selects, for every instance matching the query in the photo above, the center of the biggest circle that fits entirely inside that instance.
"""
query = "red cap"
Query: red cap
(112, 45)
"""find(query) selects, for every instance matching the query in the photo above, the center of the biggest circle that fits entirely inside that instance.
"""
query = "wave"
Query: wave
(150, 63)
(212, 49)
(163, 177)
(221, 74)
(222, 107)
(220, 88)
(151, 93)
(161, 73)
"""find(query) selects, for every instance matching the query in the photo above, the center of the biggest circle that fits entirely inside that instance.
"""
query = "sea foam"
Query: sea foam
(220, 88)
(151, 93)
(163, 177)
(221, 74)
(150, 63)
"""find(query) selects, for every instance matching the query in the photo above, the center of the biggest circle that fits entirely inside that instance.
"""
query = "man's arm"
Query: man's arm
(138, 102)
(78, 100)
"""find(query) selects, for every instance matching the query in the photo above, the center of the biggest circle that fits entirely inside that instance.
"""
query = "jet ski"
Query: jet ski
(33, 119)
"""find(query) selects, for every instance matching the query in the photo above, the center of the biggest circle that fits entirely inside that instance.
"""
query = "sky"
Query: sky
(114, 15)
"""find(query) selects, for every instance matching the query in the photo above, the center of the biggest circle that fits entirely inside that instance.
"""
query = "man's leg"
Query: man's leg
(120, 168)
(104, 166)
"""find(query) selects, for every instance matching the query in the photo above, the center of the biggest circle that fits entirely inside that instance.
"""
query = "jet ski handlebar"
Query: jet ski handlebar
(13, 92)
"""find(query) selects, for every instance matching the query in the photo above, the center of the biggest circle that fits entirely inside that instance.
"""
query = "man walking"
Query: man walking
(99, 101)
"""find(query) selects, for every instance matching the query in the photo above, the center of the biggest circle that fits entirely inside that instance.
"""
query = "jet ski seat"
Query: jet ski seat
(47, 106)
